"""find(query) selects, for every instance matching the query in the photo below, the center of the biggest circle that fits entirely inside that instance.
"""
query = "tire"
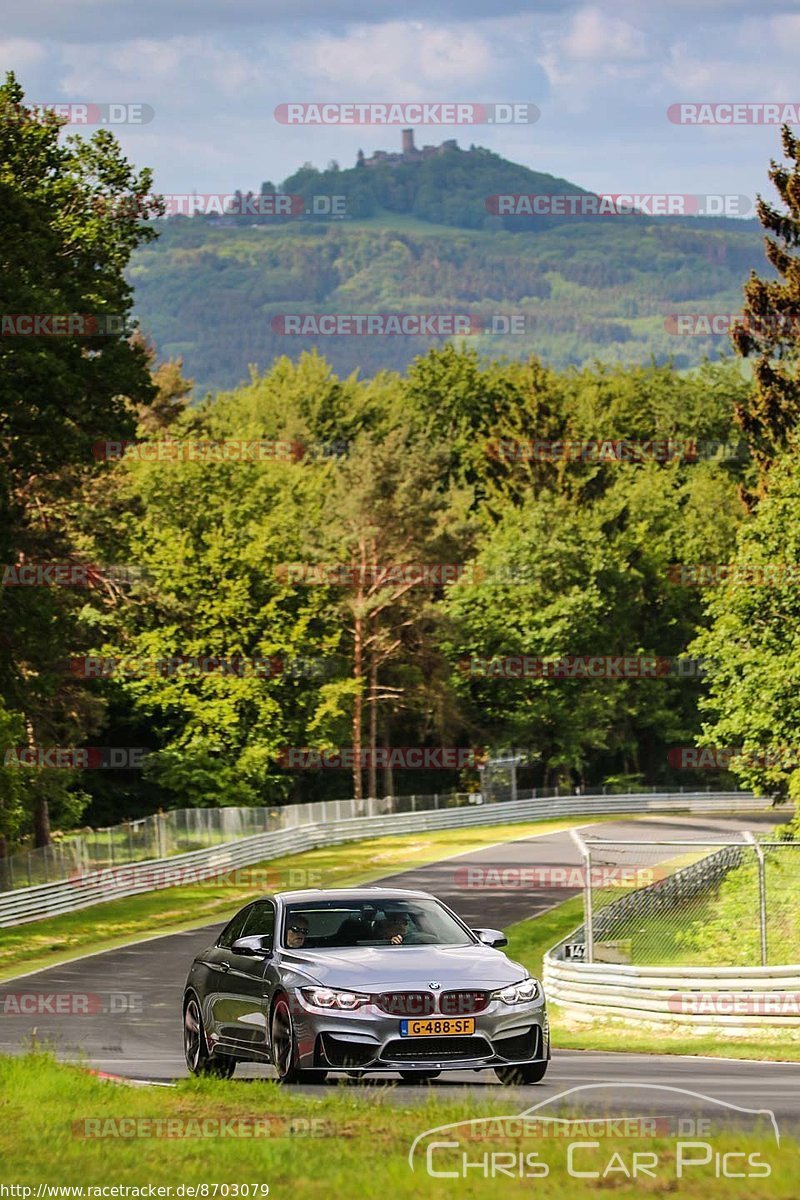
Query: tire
(419, 1076)
(283, 1047)
(195, 1047)
(524, 1073)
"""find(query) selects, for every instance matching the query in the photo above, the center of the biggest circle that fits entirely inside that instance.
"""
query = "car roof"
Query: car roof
(363, 893)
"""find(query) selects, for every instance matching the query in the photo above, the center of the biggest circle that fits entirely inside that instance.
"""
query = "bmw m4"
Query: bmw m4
(362, 980)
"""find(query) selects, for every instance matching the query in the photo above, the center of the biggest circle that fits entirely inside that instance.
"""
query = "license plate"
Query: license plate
(437, 1027)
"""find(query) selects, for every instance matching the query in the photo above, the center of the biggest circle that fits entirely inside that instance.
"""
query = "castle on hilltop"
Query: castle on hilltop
(409, 153)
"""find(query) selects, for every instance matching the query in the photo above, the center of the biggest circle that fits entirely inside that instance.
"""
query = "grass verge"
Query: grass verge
(62, 1127)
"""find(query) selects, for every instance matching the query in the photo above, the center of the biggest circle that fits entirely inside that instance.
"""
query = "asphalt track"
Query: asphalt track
(144, 984)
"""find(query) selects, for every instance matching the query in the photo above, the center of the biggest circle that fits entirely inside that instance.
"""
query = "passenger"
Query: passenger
(393, 927)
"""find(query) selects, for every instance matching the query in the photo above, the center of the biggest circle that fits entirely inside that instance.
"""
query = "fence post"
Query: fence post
(588, 914)
(762, 894)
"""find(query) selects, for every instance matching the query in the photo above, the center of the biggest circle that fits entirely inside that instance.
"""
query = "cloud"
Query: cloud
(21, 54)
(129, 20)
(398, 60)
(594, 37)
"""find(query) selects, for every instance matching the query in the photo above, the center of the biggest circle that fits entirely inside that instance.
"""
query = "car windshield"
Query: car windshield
(338, 923)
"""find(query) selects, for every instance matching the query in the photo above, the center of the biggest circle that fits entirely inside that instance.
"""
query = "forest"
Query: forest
(204, 597)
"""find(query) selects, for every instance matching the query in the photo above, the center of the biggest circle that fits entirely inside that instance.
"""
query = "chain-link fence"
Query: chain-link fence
(724, 902)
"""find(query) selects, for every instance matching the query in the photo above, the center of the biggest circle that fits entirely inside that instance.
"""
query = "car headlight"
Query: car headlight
(322, 997)
(518, 993)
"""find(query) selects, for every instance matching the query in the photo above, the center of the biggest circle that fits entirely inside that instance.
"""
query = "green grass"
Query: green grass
(43, 943)
(360, 1145)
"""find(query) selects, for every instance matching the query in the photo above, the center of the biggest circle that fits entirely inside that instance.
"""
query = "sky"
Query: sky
(602, 76)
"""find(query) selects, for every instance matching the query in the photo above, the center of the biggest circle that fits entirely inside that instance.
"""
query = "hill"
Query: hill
(602, 288)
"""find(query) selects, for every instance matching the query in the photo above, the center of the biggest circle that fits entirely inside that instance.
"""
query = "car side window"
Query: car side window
(260, 920)
(233, 929)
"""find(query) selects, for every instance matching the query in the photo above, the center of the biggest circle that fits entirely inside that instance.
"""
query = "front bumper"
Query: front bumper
(371, 1041)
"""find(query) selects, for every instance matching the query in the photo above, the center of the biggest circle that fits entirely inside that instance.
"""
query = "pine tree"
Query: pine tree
(769, 331)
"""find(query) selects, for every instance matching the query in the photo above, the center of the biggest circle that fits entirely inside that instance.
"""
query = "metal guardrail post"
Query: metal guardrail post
(762, 894)
(588, 912)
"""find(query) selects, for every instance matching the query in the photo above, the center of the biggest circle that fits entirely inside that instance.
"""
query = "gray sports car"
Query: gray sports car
(370, 979)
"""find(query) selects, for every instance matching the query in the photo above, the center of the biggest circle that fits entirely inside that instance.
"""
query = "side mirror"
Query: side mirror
(257, 945)
(491, 937)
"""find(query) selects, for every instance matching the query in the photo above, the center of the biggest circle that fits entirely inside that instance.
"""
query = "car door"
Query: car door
(217, 965)
(243, 1015)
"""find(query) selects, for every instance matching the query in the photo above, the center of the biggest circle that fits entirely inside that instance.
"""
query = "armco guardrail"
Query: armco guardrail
(32, 903)
(705, 998)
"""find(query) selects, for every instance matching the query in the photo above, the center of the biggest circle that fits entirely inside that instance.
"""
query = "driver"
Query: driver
(296, 931)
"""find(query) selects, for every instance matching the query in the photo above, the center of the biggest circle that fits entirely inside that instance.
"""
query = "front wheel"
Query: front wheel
(284, 1048)
(198, 1060)
(524, 1073)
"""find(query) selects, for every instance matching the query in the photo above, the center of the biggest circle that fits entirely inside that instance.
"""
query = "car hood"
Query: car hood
(379, 968)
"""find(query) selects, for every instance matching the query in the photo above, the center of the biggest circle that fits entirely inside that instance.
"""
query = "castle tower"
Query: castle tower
(409, 150)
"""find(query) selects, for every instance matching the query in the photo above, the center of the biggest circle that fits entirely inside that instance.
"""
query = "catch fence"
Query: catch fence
(691, 901)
